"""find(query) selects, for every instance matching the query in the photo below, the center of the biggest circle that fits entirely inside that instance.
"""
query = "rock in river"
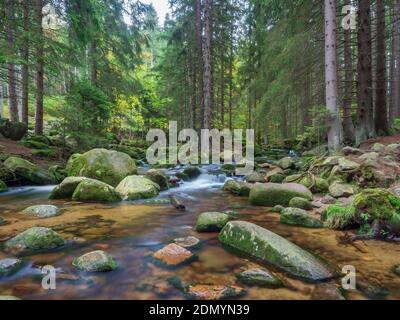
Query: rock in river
(273, 249)
(188, 242)
(299, 217)
(96, 191)
(66, 188)
(192, 172)
(42, 211)
(211, 221)
(259, 277)
(272, 194)
(137, 187)
(10, 266)
(213, 292)
(107, 166)
(300, 203)
(36, 238)
(237, 187)
(96, 261)
(158, 177)
(173, 255)
(25, 170)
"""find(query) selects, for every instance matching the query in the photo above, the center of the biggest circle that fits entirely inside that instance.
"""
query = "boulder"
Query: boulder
(59, 173)
(299, 217)
(255, 177)
(211, 221)
(66, 189)
(314, 183)
(300, 203)
(12, 130)
(259, 277)
(347, 151)
(237, 187)
(393, 150)
(28, 171)
(173, 255)
(370, 156)
(272, 194)
(96, 261)
(277, 178)
(137, 187)
(42, 211)
(347, 165)
(3, 187)
(182, 176)
(278, 209)
(110, 167)
(10, 266)
(32, 144)
(331, 161)
(192, 172)
(273, 249)
(340, 190)
(213, 292)
(36, 238)
(95, 191)
(272, 172)
(286, 163)
(158, 177)
(378, 147)
(328, 200)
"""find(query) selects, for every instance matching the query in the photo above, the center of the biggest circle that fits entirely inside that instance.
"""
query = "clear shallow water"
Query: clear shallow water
(131, 232)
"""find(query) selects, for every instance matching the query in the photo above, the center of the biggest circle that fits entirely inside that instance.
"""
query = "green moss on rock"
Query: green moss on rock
(3, 187)
(28, 171)
(299, 217)
(96, 261)
(259, 277)
(237, 188)
(66, 188)
(159, 177)
(211, 221)
(137, 187)
(300, 203)
(95, 191)
(192, 172)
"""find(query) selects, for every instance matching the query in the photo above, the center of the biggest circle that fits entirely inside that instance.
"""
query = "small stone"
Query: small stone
(214, 292)
(378, 147)
(259, 277)
(42, 211)
(10, 266)
(347, 165)
(278, 209)
(328, 200)
(331, 161)
(211, 221)
(300, 203)
(188, 242)
(371, 156)
(299, 217)
(173, 255)
(326, 292)
(255, 177)
(96, 261)
(286, 163)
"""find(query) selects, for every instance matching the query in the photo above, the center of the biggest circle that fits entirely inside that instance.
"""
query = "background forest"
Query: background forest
(97, 72)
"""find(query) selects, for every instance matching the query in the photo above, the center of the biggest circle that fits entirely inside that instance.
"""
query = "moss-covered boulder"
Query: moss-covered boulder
(42, 211)
(66, 188)
(255, 177)
(259, 277)
(339, 217)
(237, 188)
(211, 221)
(3, 187)
(378, 147)
(299, 217)
(287, 163)
(71, 160)
(110, 167)
(96, 261)
(158, 177)
(91, 190)
(25, 170)
(300, 203)
(182, 176)
(192, 172)
(314, 183)
(37, 238)
(278, 209)
(277, 178)
(272, 194)
(137, 187)
(59, 173)
(10, 266)
(271, 248)
(346, 165)
(340, 190)
(12, 130)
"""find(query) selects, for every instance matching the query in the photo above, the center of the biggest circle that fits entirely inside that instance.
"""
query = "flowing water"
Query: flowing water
(132, 231)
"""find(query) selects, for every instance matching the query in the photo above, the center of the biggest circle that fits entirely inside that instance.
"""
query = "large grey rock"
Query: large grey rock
(42, 211)
(158, 177)
(137, 187)
(23, 169)
(273, 249)
(339, 190)
(110, 167)
(272, 194)
(255, 177)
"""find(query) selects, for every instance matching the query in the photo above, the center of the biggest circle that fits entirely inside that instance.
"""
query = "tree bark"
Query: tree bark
(231, 57)
(39, 69)
(381, 115)
(199, 57)
(335, 131)
(12, 85)
(93, 56)
(348, 125)
(395, 64)
(25, 66)
(207, 57)
(365, 128)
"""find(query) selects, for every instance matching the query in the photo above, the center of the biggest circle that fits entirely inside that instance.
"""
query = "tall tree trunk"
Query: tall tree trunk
(93, 56)
(335, 131)
(199, 58)
(207, 54)
(39, 69)
(222, 91)
(12, 85)
(365, 126)
(395, 64)
(231, 57)
(193, 95)
(381, 115)
(1, 100)
(348, 125)
(25, 67)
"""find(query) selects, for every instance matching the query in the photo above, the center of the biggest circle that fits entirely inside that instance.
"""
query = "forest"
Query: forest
(82, 83)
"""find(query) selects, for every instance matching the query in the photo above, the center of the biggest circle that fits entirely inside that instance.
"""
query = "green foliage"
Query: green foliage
(340, 217)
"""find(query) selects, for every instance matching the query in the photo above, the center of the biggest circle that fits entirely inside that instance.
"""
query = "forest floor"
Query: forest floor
(384, 140)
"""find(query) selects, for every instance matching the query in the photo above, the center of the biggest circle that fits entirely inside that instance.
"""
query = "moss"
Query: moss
(28, 171)
(96, 261)
(211, 221)
(300, 203)
(3, 187)
(35, 144)
(299, 217)
(159, 177)
(97, 191)
(45, 153)
(340, 217)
